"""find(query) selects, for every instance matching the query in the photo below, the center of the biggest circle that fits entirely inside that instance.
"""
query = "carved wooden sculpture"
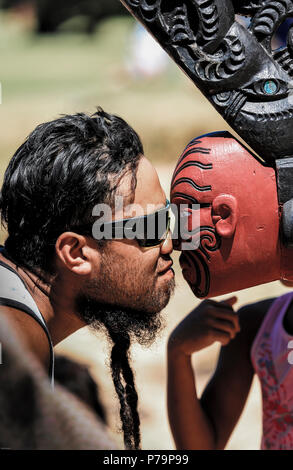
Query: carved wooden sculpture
(235, 68)
(240, 244)
(250, 85)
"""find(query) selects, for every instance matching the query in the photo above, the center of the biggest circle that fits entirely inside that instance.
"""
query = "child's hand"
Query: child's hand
(211, 321)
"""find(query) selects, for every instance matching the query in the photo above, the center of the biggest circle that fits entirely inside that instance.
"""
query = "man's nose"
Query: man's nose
(167, 246)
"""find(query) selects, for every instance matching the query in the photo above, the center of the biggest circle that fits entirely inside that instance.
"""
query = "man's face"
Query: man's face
(239, 216)
(128, 277)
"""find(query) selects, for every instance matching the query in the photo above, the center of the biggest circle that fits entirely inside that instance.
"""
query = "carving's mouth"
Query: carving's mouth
(183, 259)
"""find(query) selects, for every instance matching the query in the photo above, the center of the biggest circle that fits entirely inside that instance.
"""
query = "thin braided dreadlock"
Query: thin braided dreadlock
(126, 393)
(122, 326)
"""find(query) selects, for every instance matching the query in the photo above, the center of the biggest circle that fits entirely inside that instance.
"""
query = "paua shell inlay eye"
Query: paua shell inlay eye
(270, 87)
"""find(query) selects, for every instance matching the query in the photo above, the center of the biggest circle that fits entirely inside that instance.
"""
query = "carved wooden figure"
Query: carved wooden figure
(240, 221)
(250, 240)
(235, 68)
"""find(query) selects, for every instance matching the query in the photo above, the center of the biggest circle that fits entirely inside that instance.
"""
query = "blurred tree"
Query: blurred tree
(51, 13)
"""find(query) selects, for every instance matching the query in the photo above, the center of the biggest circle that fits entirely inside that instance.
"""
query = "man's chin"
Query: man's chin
(166, 290)
(139, 325)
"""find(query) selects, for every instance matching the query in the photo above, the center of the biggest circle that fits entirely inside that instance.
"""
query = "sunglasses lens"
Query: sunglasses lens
(148, 230)
(161, 234)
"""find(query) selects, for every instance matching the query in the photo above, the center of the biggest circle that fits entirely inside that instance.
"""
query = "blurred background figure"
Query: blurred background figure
(77, 379)
(146, 59)
(33, 415)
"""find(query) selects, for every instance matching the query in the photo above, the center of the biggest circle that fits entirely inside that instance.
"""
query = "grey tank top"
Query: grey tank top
(14, 293)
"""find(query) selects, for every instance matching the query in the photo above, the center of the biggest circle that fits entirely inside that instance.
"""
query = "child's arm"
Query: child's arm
(207, 423)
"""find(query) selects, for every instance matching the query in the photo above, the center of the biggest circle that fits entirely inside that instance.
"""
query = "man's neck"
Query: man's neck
(55, 302)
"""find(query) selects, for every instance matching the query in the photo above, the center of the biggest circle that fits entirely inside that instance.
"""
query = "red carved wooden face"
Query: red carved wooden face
(239, 216)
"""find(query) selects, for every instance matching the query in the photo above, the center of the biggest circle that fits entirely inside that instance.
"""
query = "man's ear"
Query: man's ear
(73, 251)
(225, 215)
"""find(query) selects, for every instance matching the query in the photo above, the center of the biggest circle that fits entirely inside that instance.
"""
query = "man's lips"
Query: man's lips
(167, 267)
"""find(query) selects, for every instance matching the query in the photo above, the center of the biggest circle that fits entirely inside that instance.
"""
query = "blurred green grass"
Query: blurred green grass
(45, 76)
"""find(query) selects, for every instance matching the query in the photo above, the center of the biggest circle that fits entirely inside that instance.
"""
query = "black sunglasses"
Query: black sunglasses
(148, 230)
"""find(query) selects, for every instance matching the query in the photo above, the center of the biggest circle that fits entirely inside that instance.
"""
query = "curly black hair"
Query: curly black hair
(52, 183)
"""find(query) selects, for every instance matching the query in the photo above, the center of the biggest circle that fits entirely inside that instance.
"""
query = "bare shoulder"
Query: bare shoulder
(237, 353)
(28, 331)
(251, 317)
(18, 317)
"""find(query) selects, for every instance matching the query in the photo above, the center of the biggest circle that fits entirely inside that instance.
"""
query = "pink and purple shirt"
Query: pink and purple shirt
(270, 359)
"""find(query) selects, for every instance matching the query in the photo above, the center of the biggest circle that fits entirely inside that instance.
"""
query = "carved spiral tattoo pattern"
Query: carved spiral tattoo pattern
(198, 260)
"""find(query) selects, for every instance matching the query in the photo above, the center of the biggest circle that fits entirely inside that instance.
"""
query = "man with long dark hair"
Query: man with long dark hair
(56, 277)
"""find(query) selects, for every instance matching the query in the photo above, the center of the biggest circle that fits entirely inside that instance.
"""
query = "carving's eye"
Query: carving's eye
(189, 222)
(270, 89)
(181, 221)
(185, 219)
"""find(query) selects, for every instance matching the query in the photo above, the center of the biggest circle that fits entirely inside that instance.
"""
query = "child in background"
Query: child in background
(254, 341)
